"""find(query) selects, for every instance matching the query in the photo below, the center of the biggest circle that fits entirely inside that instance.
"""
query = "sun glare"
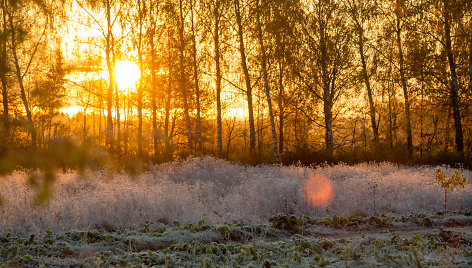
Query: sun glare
(127, 74)
(71, 110)
(317, 191)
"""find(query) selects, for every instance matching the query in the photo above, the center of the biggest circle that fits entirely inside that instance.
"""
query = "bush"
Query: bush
(455, 180)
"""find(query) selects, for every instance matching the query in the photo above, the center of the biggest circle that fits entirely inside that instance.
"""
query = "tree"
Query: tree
(182, 78)
(48, 94)
(454, 88)
(168, 128)
(22, 40)
(280, 29)
(361, 13)
(216, 45)
(111, 17)
(400, 23)
(247, 79)
(154, 32)
(140, 21)
(324, 74)
(195, 77)
(266, 79)
(449, 31)
(109, 48)
(4, 69)
(470, 64)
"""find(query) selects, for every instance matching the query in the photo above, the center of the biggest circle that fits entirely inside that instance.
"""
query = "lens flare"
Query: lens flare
(318, 191)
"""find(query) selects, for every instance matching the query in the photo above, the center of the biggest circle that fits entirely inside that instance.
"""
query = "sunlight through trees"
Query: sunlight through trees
(253, 81)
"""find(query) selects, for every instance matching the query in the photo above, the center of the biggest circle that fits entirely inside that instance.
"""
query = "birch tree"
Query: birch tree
(325, 72)
(266, 78)
(361, 13)
(182, 78)
(21, 43)
(247, 78)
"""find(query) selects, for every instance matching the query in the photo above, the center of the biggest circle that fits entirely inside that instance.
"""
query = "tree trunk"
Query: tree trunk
(242, 51)
(266, 82)
(295, 129)
(375, 130)
(390, 114)
(108, 51)
(93, 123)
(231, 126)
(127, 110)
(446, 132)
(470, 65)
(182, 78)
(197, 88)
(281, 108)
(85, 126)
(118, 119)
(353, 140)
(422, 115)
(218, 79)
(454, 90)
(154, 120)
(390, 122)
(409, 138)
(153, 95)
(3, 76)
(141, 84)
(168, 99)
(327, 101)
(100, 114)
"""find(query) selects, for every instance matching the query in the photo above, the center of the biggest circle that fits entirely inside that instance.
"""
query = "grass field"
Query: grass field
(210, 212)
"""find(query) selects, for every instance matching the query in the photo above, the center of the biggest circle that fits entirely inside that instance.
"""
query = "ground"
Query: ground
(419, 240)
(209, 212)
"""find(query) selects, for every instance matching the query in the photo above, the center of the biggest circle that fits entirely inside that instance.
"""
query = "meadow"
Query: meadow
(212, 208)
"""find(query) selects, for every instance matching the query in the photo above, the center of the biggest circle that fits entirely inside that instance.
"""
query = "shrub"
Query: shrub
(455, 180)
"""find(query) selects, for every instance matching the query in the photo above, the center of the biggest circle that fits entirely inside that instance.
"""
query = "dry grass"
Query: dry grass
(218, 191)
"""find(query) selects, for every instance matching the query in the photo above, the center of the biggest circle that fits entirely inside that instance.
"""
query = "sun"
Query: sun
(127, 74)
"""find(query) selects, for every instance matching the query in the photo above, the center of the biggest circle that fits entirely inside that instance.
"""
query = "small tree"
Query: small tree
(455, 180)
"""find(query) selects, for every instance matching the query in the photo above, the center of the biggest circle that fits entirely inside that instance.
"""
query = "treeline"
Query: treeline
(258, 80)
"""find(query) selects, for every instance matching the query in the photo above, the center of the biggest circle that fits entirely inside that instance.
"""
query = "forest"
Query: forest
(252, 81)
(236, 133)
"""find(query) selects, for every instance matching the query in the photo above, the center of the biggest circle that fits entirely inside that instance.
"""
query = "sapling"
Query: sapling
(455, 180)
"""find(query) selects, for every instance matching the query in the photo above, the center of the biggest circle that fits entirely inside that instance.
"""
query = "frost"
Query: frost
(218, 192)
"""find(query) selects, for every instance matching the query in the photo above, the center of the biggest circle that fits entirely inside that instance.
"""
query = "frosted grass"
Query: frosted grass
(219, 192)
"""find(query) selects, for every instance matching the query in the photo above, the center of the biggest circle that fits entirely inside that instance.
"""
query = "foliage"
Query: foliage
(42, 165)
(455, 180)
(318, 242)
(320, 56)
